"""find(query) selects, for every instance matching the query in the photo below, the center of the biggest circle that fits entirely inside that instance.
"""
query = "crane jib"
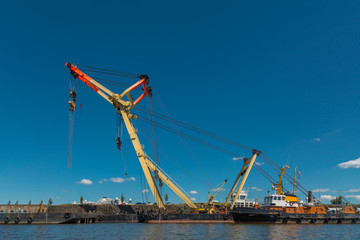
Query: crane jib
(144, 81)
(82, 76)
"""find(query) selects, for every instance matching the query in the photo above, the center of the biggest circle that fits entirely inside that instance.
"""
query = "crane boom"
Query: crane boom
(123, 107)
(244, 173)
(213, 196)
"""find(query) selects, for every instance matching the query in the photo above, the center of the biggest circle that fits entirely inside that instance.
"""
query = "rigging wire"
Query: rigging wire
(72, 103)
(179, 134)
(141, 184)
(110, 72)
(168, 176)
(153, 133)
(272, 180)
(177, 164)
(120, 140)
(195, 129)
(219, 138)
(154, 145)
(288, 177)
(184, 142)
(265, 158)
(258, 168)
(265, 174)
(70, 142)
(144, 119)
(112, 83)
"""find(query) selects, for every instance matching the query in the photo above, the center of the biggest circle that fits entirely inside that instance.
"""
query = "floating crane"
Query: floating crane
(209, 206)
(244, 173)
(123, 106)
(213, 196)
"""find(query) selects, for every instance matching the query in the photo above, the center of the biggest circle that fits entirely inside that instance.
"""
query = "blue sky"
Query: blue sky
(282, 77)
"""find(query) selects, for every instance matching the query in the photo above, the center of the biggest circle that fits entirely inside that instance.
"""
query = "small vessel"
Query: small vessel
(243, 201)
(285, 207)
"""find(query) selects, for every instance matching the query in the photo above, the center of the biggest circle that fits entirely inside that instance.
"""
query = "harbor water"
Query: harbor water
(181, 231)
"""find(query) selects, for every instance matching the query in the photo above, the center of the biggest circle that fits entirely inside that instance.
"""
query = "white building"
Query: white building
(105, 200)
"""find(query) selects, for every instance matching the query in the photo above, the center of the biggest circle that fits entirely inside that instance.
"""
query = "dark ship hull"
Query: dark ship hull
(69, 214)
(36, 218)
(248, 215)
(67, 218)
(93, 213)
(189, 218)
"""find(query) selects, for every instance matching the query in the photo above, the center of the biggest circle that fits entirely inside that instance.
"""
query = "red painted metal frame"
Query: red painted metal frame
(86, 79)
(82, 76)
(143, 83)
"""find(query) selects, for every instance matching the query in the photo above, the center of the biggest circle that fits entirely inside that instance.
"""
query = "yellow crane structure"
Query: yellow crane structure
(244, 173)
(123, 103)
(219, 189)
(278, 186)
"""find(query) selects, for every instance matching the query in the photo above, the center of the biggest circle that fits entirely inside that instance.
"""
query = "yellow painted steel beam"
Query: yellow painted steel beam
(236, 182)
(250, 163)
(170, 184)
(213, 196)
(142, 158)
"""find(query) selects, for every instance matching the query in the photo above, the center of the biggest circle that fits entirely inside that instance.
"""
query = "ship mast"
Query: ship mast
(278, 186)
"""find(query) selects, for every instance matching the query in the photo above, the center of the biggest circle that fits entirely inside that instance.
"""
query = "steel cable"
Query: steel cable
(130, 75)
(195, 129)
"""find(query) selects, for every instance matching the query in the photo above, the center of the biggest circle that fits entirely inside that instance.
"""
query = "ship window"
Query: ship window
(283, 198)
(242, 197)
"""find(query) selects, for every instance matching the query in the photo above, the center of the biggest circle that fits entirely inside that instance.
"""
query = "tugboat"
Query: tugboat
(284, 207)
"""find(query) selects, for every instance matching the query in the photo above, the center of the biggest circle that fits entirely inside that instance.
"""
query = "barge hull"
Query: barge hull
(242, 215)
(189, 218)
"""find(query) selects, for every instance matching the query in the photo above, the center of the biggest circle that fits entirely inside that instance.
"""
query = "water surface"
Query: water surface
(180, 231)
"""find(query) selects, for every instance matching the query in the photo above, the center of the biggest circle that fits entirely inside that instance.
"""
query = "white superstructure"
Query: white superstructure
(242, 200)
(276, 200)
